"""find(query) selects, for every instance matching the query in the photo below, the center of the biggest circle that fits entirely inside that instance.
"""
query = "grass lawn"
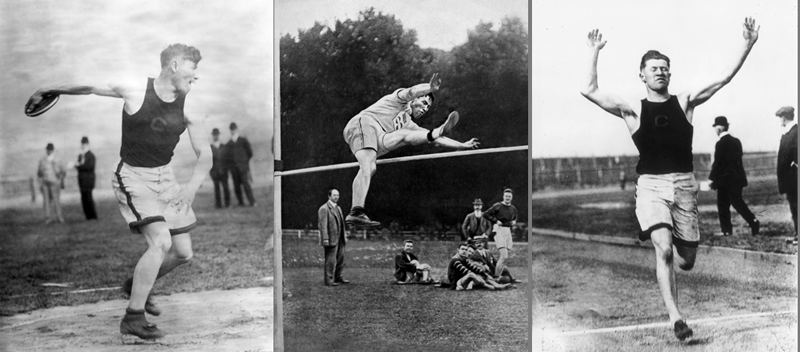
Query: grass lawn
(371, 314)
(228, 253)
(612, 214)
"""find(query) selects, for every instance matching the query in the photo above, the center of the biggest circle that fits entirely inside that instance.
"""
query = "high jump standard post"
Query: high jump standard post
(277, 326)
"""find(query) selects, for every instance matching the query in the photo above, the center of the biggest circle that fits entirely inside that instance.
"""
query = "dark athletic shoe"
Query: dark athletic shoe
(149, 306)
(682, 331)
(361, 221)
(136, 325)
(448, 124)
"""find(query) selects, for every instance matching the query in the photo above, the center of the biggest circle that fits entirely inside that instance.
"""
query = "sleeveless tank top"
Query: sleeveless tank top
(664, 138)
(150, 135)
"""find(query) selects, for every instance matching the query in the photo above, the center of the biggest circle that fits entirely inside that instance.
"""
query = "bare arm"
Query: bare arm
(607, 101)
(199, 140)
(421, 89)
(700, 95)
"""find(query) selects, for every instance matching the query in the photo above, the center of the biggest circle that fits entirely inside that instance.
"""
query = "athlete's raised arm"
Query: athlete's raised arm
(202, 148)
(421, 89)
(608, 101)
(701, 94)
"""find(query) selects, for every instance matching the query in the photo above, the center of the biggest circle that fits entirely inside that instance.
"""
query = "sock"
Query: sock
(356, 211)
(430, 136)
(129, 311)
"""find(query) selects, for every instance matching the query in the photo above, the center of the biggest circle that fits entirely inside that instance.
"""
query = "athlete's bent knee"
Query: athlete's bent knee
(184, 256)
(664, 252)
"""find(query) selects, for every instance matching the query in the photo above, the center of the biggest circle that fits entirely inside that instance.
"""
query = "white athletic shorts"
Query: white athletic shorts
(502, 237)
(364, 132)
(668, 201)
(144, 194)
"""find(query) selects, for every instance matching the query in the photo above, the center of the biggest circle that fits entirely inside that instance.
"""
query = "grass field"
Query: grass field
(228, 252)
(611, 213)
(371, 314)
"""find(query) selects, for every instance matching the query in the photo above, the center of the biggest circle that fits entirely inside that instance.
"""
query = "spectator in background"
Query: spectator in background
(504, 216)
(239, 154)
(484, 257)
(86, 177)
(332, 238)
(219, 171)
(728, 179)
(475, 226)
(787, 163)
(408, 269)
(51, 175)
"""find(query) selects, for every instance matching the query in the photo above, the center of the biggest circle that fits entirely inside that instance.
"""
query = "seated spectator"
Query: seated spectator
(460, 276)
(408, 269)
(482, 270)
(483, 256)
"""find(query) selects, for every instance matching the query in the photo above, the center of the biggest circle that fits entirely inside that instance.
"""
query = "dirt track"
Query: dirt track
(234, 320)
(590, 286)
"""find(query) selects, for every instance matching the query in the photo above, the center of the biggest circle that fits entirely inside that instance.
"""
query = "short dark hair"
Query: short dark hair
(180, 50)
(215, 131)
(233, 126)
(652, 55)
(50, 146)
(471, 246)
(408, 241)
(463, 245)
(85, 140)
(433, 97)
(330, 191)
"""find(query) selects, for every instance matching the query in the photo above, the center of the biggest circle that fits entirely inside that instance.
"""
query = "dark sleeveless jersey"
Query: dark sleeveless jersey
(664, 138)
(150, 135)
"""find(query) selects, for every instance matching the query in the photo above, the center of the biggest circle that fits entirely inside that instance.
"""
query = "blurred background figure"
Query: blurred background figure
(238, 156)
(787, 163)
(51, 178)
(86, 178)
(219, 171)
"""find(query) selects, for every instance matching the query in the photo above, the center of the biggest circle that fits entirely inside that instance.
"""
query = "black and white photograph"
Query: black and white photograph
(664, 176)
(136, 183)
(401, 189)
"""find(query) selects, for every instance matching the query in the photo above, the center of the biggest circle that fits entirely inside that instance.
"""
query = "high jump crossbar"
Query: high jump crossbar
(403, 159)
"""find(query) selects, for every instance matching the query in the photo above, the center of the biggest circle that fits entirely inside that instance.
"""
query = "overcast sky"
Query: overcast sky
(94, 42)
(440, 24)
(700, 37)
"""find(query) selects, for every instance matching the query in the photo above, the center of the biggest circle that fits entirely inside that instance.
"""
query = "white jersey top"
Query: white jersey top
(392, 111)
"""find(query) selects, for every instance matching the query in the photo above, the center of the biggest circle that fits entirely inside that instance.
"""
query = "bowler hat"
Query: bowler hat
(720, 121)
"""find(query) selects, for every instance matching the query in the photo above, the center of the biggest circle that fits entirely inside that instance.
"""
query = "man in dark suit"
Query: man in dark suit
(219, 170)
(787, 162)
(238, 156)
(86, 178)
(728, 178)
(332, 238)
